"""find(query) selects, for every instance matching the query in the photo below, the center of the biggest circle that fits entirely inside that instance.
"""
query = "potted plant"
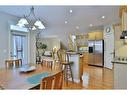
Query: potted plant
(42, 48)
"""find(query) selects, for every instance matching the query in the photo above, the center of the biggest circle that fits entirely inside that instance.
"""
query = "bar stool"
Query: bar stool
(66, 65)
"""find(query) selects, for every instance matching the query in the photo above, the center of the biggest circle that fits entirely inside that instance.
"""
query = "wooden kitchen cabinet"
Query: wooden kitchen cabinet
(85, 59)
(123, 16)
(95, 35)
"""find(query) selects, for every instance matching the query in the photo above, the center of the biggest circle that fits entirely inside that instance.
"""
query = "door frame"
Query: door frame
(26, 34)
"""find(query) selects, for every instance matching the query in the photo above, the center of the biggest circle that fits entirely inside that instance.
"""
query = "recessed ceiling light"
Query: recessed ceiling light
(70, 11)
(103, 17)
(91, 25)
(77, 27)
(65, 22)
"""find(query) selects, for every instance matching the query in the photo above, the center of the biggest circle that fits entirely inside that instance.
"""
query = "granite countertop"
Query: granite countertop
(119, 62)
(76, 53)
(73, 52)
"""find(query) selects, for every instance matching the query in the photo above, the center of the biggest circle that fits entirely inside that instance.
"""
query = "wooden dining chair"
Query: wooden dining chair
(1, 88)
(56, 59)
(18, 62)
(9, 63)
(52, 82)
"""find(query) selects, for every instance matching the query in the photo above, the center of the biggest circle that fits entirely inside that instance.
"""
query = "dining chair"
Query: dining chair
(52, 82)
(18, 62)
(56, 60)
(1, 88)
(9, 63)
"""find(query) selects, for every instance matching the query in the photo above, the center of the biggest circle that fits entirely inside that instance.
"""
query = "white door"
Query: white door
(19, 47)
(108, 46)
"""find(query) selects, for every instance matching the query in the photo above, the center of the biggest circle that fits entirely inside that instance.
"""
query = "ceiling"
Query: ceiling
(81, 16)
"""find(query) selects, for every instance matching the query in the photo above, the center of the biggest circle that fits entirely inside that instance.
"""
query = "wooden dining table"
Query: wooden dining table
(14, 79)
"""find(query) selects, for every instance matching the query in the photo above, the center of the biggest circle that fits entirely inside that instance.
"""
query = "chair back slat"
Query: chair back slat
(9, 61)
(52, 82)
(63, 56)
(58, 81)
(17, 61)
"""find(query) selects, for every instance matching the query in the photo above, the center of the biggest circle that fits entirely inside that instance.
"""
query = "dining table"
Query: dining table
(14, 79)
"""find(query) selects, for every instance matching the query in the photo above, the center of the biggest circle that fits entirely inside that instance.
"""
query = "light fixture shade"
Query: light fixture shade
(29, 22)
(39, 24)
(23, 21)
(33, 28)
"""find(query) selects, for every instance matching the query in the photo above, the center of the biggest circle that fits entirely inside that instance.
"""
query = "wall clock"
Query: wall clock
(108, 29)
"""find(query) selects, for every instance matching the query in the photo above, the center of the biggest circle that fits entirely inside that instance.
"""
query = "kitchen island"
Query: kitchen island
(77, 67)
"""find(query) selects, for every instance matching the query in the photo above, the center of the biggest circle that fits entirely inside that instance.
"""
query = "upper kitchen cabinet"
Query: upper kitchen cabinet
(77, 42)
(123, 16)
(95, 35)
(118, 42)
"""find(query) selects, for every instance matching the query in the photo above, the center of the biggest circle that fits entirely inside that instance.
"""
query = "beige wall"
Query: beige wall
(121, 52)
(51, 42)
(120, 46)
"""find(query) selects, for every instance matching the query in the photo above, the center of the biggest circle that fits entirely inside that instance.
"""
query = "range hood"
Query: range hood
(124, 35)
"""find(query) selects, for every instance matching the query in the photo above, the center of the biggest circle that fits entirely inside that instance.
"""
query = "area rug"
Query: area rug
(35, 79)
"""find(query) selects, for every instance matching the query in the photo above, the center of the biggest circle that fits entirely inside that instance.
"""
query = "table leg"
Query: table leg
(51, 64)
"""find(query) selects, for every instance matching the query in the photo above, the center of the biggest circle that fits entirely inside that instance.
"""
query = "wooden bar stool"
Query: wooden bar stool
(66, 65)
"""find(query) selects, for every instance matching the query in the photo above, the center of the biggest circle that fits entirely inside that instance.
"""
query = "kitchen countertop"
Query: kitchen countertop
(119, 62)
(73, 53)
(76, 53)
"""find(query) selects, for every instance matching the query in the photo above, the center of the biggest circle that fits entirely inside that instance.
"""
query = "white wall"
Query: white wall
(120, 45)
(4, 37)
(32, 47)
(51, 42)
(64, 35)
(5, 21)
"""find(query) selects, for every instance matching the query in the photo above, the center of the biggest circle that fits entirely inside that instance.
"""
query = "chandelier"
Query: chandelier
(34, 24)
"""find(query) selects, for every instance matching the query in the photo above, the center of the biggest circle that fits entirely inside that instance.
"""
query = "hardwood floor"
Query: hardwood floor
(94, 78)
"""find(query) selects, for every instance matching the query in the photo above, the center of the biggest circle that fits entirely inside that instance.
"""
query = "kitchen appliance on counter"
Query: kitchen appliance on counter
(96, 52)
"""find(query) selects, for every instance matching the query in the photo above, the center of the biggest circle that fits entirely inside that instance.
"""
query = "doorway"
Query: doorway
(19, 46)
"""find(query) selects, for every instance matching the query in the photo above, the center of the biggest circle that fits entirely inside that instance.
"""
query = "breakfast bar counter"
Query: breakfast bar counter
(77, 67)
